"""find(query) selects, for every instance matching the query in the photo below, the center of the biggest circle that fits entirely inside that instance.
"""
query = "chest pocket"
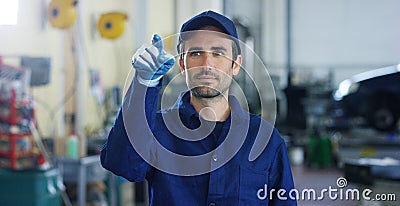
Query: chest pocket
(253, 187)
(180, 190)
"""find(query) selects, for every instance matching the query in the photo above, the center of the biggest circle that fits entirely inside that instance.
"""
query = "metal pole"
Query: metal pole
(81, 76)
(288, 43)
(61, 84)
(175, 13)
(140, 23)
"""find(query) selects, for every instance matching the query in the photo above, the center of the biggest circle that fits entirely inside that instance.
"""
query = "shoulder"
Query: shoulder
(263, 140)
(265, 130)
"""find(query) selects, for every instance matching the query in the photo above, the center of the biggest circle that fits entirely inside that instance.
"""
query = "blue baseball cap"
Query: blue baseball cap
(211, 18)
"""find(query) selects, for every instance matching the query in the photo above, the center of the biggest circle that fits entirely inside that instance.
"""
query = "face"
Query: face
(208, 65)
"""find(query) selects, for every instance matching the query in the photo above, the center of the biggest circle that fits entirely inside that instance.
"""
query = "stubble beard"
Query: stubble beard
(208, 90)
(205, 92)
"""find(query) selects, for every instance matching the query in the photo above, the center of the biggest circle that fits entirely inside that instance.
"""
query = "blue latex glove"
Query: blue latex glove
(152, 62)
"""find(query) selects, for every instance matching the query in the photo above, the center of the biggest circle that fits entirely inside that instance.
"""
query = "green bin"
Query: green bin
(30, 187)
(320, 151)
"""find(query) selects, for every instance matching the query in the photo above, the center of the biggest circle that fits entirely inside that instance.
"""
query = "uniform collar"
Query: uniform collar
(187, 111)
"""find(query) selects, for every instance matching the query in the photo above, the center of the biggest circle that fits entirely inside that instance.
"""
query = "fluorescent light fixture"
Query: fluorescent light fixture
(8, 12)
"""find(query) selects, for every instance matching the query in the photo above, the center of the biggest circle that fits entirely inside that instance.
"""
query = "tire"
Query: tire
(384, 117)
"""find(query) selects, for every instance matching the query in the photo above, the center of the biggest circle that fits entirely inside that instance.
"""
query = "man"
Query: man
(199, 152)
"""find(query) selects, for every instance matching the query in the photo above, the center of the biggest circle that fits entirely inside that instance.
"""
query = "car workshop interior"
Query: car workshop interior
(333, 65)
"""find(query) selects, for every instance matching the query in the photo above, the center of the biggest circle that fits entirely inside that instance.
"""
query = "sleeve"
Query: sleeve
(117, 154)
(281, 179)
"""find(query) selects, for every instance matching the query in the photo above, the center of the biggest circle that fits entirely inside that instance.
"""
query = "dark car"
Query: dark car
(372, 97)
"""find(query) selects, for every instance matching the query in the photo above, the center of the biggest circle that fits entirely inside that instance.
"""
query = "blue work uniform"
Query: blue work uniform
(239, 181)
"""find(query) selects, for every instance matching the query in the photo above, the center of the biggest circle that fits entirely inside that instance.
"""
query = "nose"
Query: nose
(207, 60)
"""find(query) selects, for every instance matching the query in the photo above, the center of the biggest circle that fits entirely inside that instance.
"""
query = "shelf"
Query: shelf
(17, 154)
(10, 119)
(22, 102)
(18, 135)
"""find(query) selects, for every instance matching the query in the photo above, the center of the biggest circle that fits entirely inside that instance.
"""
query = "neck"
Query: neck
(211, 109)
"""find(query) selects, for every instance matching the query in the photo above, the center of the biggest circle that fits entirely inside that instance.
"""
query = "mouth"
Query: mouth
(206, 77)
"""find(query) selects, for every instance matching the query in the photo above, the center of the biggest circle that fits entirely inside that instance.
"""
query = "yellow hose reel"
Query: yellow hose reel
(62, 13)
(111, 25)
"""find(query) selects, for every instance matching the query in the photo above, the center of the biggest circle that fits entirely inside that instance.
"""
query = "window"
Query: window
(8, 12)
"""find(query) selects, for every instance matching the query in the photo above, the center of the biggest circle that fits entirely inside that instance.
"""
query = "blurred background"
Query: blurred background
(64, 66)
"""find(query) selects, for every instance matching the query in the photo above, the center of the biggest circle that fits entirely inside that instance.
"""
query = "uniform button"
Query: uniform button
(211, 204)
(215, 158)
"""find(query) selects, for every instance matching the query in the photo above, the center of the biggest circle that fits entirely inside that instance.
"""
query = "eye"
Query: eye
(194, 53)
(218, 53)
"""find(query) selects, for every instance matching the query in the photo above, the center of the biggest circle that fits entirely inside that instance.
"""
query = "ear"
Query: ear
(236, 65)
(182, 66)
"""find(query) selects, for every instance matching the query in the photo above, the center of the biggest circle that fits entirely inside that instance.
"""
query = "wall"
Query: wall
(345, 36)
(34, 36)
(29, 37)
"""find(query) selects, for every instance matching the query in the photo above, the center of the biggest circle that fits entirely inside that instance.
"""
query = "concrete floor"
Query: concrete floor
(322, 178)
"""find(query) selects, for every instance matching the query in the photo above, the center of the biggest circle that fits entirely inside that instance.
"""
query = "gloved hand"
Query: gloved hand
(152, 62)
